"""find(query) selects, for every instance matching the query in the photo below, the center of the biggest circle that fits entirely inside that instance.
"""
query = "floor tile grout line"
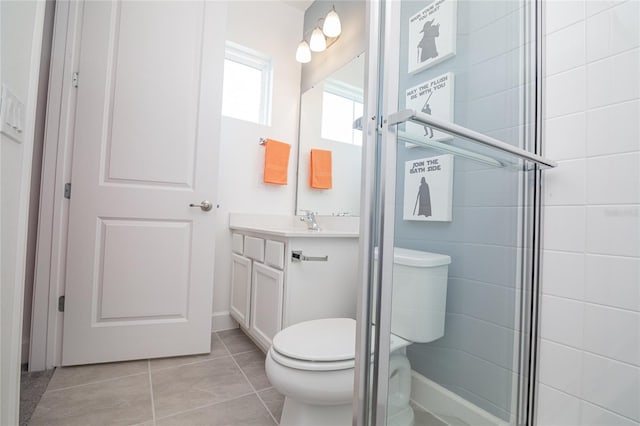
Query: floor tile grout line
(206, 406)
(95, 383)
(200, 361)
(153, 404)
(249, 351)
(251, 385)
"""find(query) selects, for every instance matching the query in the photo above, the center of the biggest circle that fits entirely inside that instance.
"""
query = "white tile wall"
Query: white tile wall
(613, 229)
(612, 80)
(611, 384)
(613, 31)
(614, 179)
(557, 408)
(593, 415)
(567, 184)
(564, 228)
(562, 320)
(564, 274)
(610, 130)
(590, 313)
(612, 332)
(568, 94)
(613, 281)
(566, 48)
(561, 367)
(560, 14)
(565, 137)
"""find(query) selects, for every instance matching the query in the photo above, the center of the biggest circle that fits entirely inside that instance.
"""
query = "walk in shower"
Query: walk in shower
(455, 169)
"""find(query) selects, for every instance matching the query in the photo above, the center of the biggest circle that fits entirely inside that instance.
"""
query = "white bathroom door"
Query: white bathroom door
(140, 259)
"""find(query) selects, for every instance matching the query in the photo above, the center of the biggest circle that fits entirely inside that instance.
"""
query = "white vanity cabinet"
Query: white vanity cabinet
(240, 289)
(270, 290)
(266, 303)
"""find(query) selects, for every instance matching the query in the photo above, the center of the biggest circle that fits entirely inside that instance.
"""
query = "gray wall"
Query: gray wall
(351, 43)
(475, 358)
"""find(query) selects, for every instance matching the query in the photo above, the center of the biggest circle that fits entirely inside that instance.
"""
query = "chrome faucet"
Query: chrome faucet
(310, 219)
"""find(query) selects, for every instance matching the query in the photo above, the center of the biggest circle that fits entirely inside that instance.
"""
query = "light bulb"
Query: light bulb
(317, 43)
(303, 54)
(332, 27)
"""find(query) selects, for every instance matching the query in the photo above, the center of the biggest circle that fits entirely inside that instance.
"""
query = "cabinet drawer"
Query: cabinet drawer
(237, 244)
(254, 248)
(274, 254)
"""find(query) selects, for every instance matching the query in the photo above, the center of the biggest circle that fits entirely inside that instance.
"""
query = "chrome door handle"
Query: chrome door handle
(204, 205)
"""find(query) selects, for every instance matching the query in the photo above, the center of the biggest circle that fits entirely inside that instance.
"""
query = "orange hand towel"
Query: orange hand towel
(320, 169)
(276, 162)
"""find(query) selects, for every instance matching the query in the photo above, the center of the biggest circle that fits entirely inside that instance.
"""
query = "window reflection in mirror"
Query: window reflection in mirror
(342, 112)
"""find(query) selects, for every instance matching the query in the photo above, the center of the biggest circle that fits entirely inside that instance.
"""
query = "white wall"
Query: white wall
(21, 37)
(590, 349)
(274, 28)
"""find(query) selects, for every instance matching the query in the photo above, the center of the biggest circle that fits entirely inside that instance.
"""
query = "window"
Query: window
(246, 89)
(342, 112)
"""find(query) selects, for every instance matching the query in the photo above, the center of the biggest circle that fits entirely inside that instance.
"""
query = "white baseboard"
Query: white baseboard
(447, 405)
(222, 321)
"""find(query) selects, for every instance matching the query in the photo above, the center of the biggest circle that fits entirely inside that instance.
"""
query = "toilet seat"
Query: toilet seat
(321, 345)
(311, 365)
(318, 345)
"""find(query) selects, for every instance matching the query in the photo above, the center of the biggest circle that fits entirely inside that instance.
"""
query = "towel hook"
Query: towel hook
(263, 141)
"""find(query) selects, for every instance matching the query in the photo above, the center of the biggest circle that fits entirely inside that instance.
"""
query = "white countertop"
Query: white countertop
(291, 226)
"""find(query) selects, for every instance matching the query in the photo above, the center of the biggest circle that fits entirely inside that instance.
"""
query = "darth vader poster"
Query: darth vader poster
(432, 35)
(428, 188)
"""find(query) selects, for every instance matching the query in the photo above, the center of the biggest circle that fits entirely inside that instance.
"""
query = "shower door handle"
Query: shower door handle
(468, 134)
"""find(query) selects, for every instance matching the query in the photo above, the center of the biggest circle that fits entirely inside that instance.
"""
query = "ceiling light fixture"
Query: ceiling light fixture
(324, 35)
(303, 53)
(332, 27)
(318, 42)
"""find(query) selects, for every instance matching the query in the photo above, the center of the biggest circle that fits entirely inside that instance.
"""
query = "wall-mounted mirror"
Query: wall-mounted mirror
(331, 119)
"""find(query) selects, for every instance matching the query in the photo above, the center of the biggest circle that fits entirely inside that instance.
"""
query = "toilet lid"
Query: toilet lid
(330, 339)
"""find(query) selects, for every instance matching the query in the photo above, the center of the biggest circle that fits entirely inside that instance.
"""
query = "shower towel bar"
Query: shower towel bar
(463, 132)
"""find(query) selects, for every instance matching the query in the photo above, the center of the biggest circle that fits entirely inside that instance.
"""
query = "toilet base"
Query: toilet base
(296, 413)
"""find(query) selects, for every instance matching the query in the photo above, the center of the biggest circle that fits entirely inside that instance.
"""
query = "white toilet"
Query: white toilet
(312, 363)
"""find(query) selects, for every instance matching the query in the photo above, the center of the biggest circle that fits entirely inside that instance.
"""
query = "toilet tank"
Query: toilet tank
(419, 294)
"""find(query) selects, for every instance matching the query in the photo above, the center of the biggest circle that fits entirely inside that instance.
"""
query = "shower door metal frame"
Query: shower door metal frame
(378, 195)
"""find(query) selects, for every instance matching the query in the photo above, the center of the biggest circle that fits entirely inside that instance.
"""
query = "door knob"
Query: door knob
(204, 205)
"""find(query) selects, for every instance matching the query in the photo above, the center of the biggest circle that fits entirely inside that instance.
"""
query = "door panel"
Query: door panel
(140, 280)
(140, 260)
(153, 65)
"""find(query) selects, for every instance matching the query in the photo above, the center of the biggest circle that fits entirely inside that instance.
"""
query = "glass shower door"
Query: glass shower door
(453, 252)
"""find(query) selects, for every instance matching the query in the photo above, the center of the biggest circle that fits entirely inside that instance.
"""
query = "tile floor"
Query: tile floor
(226, 387)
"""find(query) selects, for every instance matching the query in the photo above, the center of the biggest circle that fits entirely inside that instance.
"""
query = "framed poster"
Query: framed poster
(433, 97)
(432, 35)
(428, 189)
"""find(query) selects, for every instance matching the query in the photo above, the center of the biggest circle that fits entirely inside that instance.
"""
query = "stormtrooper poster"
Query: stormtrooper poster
(433, 97)
(428, 189)
(432, 35)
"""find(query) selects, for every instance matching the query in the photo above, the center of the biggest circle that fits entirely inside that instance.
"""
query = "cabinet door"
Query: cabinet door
(240, 289)
(266, 309)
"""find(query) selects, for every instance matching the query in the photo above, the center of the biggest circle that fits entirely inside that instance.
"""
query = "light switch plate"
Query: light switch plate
(12, 115)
